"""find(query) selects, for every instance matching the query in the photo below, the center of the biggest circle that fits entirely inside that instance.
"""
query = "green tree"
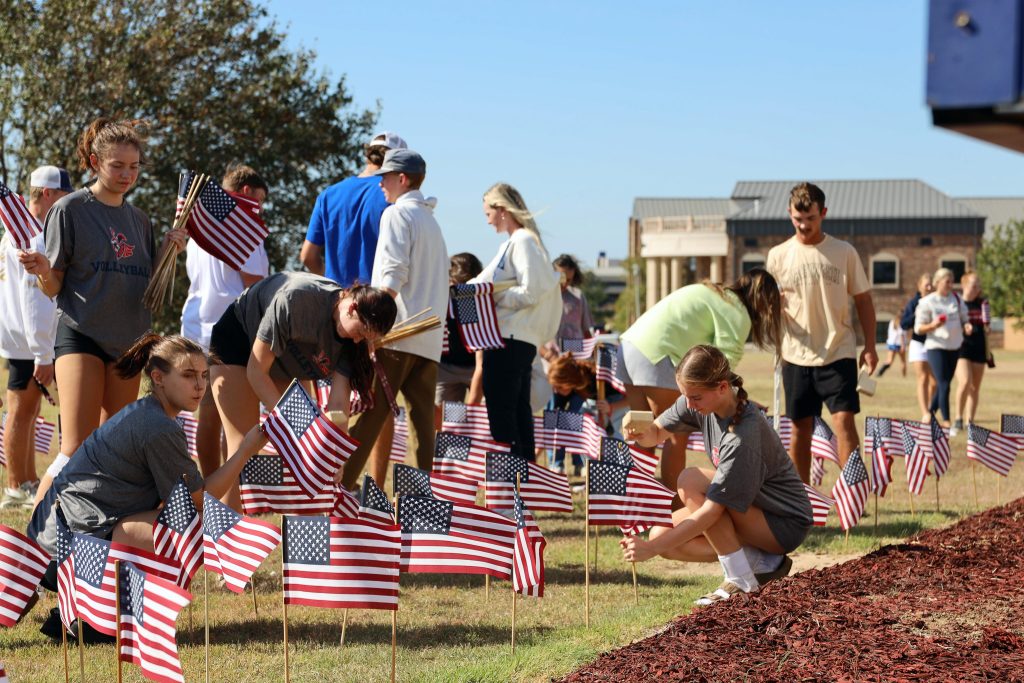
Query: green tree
(1001, 266)
(625, 312)
(593, 289)
(214, 79)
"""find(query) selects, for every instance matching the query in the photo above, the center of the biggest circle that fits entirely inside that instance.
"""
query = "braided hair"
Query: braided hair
(706, 366)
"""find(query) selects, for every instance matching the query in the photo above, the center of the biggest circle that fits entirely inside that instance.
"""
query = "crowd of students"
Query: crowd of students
(376, 255)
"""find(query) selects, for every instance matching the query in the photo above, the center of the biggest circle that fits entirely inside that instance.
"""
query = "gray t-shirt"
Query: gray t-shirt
(752, 467)
(128, 465)
(293, 314)
(107, 254)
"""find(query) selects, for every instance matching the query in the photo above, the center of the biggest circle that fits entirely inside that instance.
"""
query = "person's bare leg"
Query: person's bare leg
(844, 425)
(977, 374)
(963, 387)
(136, 530)
(19, 434)
(925, 385)
(117, 392)
(902, 353)
(695, 550)
(208, 431)
(733, 529)
(673, 451)
(800, 447)
(80, 386)
(239, 411)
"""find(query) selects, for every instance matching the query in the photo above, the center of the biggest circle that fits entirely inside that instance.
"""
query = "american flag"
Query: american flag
(313, 446)
(94, 577)
(618, 452)
(820, 505)
(992, 449)
(785, 429)
(267, 485)
(539, 487)
(190, 424)
(477, 316)
(228, 226)
(575, 432)
(528, 553)
(234, 546)
(888, 430)
(149, 615)
(374, 504)
(817, 471)
(626, 497)
(939, 448)
(22, 565)
(467, 420)
(446, 336)
(323, 392)
(581, 349)
(177, 533)
(67, 600)
(345, 504)
(268, 447)
(357, 403)
(339, 562)
(1013, 426)
(21, 225)
(916, 459)
(464, 457)
(442, 537)
(608, 368)
(695, 442)
(411, 481)
(881, 463)
(851, 491)
(823, 441)
(400, 442)
(43, 436)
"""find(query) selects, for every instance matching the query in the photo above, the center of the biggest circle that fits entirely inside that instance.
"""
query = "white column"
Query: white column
(676, 271)
(651, 282)
(665, 271)
(716, 268)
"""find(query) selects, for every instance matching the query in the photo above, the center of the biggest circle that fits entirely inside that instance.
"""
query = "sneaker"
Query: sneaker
(958, 426)
(14, 498)
(781, 571)
(723, 592)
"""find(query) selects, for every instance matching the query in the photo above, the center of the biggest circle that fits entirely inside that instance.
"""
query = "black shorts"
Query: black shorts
(973, 349)
(807, 387)
(19, 373)
(69, 341)
(228, 340)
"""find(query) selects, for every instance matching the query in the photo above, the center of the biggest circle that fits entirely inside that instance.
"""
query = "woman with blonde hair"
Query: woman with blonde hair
(703, 313)
(529, 310)
(100, 254)
(749, 509)
(942, 318)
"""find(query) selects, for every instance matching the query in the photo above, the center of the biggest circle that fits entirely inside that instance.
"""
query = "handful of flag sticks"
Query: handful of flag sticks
(408, 328)
(162, 283)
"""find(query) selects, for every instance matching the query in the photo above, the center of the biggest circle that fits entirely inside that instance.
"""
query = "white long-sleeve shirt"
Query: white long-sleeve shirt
(412, 259)
(28, 318)
(531, 309)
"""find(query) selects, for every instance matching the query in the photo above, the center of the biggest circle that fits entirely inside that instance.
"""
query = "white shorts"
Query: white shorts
(916, 352)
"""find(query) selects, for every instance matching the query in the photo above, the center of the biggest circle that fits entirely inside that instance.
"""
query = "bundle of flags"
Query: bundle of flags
(539, 487)
(234, 546)
(22, 565)
(312, 446)
(341, 562)
(149, 613)
(477, 316)
(575, 432)
(992, 449)
(21, 225)
(226, 225)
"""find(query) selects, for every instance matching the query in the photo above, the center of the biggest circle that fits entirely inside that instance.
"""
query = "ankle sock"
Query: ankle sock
(738, 571)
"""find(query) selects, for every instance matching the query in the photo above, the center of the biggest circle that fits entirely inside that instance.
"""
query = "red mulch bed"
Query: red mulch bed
(947, 605)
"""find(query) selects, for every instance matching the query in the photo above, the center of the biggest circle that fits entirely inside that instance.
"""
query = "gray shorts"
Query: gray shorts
(790, 532)
(634, 369)
(452, 383)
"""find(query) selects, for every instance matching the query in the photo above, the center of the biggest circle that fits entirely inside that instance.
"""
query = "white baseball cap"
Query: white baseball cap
(52, 178)
(387, 139)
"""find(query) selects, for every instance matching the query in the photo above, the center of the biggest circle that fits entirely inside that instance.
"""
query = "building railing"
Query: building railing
(684, 224)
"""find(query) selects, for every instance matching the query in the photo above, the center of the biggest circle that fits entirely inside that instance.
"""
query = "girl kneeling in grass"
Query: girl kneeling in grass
(747, 512)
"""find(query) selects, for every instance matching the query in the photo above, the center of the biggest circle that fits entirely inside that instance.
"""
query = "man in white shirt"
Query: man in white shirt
(213, 286)
(411, 263)
(28, 324)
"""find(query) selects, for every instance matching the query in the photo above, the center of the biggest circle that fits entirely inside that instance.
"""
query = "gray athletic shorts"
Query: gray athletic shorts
(790, 532)
(452, 383)
(634, 369)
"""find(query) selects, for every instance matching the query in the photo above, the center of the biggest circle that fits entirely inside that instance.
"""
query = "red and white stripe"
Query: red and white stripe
(400, 442)
(485, 333)
(152, 644)
(475, 468)
(996, 451)
(480, 542)
(542, 490)
(234, 240)
(528, 558)
(22, 565)
(820, 505)
(454, 488)
(190, 424)
(647, 503)
(586, 347)
(239, 552)
(288, 498)
(21, 225)
(476, 425)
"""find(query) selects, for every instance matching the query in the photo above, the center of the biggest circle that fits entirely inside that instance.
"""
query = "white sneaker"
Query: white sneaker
(14, 498)
(723, 592)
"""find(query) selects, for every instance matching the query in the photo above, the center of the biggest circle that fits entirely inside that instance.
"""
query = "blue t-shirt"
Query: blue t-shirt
(346, 223)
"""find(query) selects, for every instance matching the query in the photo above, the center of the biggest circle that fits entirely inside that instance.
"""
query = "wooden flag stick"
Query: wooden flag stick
(81, 651)
(910, 495)
(974, 478)
(487, 588)
(586, 546)
(597, 533)
(876, 513)
(64, 648)
(255, 607)
(344, 625)
(394, 643)
(513, 619)
(412, 317)
(284, 619)
(117, 619)
(636, 586)
(999, 494)
(937, 508)
(206, 619)
(846, 543)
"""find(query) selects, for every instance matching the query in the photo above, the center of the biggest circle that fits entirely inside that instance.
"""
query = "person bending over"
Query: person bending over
(750, 509)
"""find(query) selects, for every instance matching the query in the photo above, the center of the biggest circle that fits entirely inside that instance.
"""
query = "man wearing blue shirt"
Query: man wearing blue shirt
(342, 235)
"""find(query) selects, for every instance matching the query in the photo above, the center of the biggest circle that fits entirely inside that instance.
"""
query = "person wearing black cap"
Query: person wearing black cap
(27, 329)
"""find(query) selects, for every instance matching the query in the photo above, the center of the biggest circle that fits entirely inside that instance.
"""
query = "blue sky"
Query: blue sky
(586, 106)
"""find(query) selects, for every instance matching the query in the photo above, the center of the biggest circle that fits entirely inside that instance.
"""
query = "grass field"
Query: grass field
(449, 631)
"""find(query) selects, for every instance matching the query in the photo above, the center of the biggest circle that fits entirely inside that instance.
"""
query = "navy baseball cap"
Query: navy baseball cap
(51, 178)
(403, 161)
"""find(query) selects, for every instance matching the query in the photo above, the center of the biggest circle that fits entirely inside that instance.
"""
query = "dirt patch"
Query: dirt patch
(946, 605)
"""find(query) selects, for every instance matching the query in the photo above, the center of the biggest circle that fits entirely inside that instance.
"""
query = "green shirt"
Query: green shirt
(691, 315)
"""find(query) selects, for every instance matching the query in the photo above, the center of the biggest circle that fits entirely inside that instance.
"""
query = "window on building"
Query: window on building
(885, 271)
(751, 261)
(926, 241)
(882, 327)
(750, 241)
(956, 263)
